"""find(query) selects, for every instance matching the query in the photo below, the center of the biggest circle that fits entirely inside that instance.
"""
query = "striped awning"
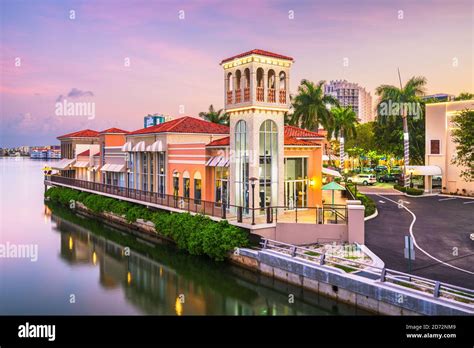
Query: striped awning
(63, 164)
(332, 172)
(127, 146)
(139, 147)
(108, 167)
(96, 168)
(424, 170)
(157, 146)
(81, 164)
(217, 161)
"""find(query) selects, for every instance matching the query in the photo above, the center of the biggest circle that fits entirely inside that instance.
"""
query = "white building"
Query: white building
(353, 95)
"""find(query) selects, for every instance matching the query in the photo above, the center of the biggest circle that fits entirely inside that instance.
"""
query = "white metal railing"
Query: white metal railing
(427, 286)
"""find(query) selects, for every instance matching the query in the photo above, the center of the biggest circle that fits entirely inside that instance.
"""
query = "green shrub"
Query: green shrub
(197, 234)
(368, 203)
(414, 191)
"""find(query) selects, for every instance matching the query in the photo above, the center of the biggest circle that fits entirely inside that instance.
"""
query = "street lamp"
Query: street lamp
(252, 182)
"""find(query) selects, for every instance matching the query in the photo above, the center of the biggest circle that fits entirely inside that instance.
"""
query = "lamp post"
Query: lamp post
(252, 182)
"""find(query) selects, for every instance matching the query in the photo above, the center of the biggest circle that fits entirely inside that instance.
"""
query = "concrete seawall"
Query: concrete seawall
(374, 296)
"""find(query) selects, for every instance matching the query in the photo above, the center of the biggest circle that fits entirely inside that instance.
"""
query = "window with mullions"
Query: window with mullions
(152, 171)
(186, 184)
(161, 173)
(145, 172)
(268, 164)
(221, 185)
(241, 165)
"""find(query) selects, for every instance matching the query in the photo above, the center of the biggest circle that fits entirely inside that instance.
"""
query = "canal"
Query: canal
(86, 267)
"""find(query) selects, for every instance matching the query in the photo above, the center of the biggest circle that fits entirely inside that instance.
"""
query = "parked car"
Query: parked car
(389, 178)
(364, 179)
(379, 169)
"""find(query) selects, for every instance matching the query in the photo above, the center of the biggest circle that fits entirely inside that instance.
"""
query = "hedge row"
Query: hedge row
(368, 202)
(408, 190)
(196, 234)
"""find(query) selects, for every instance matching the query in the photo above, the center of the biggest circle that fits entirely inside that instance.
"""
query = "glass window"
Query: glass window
(221, 185)
(161, 172)
(296, 182)
(268, 164)
(145, 172)
(241, 166)
(197, 191)
(176, 184)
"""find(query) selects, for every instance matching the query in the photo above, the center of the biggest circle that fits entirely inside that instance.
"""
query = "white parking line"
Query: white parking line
(416, 244)
(468, 202)
(446, 199)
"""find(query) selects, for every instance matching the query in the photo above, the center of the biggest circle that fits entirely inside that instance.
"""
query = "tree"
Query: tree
(364, 137)
(311, 106)
(464, 96)
(400, 102)
(463, 136)
(344, 120)
(215, 116)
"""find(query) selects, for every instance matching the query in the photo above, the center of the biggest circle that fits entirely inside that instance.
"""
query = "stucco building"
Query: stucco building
(440, 148)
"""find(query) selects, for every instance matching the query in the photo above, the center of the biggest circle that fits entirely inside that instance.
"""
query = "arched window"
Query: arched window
(238, 91)
(268, 164)
(197, 188)
(271, 86)
(186, 184)
(229, 88)
(241, 165)
(260, 89)
(282, 87)
(247, 85)
(175, 183)
(282, 80)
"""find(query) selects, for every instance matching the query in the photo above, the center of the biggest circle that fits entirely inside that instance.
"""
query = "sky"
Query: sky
(133, 58)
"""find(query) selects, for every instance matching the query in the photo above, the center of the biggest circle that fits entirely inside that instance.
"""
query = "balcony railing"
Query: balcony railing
(327, 214)
(229, 97)
(271, 95)
(260, 94)
(246, 94)
(282, 98)
(238, 96)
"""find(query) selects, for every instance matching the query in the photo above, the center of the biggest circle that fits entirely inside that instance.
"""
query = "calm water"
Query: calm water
(81, 259)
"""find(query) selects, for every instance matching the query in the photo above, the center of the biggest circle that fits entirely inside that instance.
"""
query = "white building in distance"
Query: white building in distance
(353, 95)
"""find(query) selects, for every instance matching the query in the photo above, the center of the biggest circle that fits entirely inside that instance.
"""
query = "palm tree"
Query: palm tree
(311, 106)
(215, 116)
(344, 120)
(390, 95)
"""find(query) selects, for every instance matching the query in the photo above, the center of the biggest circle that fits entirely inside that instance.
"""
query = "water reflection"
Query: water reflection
(161, 280)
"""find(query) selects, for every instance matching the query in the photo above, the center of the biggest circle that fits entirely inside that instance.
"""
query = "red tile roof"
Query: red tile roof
(260, 52)
(220, 142)
(290, 141)
(186, 124)
(296, 132)
(85, 153)
(86, 133)
(114, 130)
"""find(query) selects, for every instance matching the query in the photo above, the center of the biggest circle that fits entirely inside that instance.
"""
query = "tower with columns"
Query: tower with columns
(256, 93)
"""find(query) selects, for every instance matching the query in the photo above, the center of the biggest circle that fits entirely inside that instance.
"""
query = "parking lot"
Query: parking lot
(441, 227)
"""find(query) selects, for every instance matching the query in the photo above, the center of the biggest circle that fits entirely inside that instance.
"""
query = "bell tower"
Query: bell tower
(256, 95)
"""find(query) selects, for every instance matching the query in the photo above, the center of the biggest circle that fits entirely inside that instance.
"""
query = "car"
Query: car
(389, 178)
(472, 236)
(379, 169)
(364, 179)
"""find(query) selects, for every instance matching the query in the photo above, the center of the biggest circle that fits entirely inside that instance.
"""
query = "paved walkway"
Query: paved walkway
(376, 189)
(441, 230)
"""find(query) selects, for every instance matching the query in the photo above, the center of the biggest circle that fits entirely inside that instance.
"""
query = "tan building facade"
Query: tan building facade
(440, 148)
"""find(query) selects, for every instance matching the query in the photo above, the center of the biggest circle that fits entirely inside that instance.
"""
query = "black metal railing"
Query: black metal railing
(326, 214)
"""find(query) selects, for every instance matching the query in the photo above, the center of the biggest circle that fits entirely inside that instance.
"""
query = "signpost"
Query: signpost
(409, 251)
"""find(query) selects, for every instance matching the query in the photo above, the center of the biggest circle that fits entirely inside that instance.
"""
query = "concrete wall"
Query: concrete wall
(301, 234)
(371, 295)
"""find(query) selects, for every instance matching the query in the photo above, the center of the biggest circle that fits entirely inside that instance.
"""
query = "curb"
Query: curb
(456, 196)
(373, 216)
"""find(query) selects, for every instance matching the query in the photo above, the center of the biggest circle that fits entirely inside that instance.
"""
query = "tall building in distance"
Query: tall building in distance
(353, 95)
